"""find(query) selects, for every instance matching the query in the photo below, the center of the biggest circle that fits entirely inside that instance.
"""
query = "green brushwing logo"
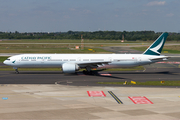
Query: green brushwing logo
(157, 46)
(14, 61)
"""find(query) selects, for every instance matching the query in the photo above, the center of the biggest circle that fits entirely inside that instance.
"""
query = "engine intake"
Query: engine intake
(70, 67)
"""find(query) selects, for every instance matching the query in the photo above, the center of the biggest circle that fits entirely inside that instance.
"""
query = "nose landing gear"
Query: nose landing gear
(16, 69)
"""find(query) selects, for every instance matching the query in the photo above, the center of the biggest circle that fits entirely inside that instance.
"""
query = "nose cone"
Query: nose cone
(5, 62)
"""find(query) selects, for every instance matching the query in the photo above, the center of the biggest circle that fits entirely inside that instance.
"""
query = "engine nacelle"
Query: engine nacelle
(70, 67)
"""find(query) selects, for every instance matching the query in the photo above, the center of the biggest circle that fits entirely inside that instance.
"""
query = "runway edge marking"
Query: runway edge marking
(115, 97)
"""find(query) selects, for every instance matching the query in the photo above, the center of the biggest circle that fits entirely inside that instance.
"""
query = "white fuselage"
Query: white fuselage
(82, 60)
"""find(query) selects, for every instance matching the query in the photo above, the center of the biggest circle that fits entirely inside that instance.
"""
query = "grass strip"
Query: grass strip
(147, 83)
(48, 49)
(166, 49)
(3, 59)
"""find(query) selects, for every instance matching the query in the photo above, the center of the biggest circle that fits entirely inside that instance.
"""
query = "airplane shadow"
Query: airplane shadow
(163, 72)
(38, 72)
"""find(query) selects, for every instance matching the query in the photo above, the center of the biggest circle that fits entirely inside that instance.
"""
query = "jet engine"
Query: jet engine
(70, 67)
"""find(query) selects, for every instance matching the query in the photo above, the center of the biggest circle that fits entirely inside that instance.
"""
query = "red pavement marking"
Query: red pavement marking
(140, 100)
(96, 94)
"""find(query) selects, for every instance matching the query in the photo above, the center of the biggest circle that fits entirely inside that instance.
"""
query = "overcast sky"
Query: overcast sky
(89, 15)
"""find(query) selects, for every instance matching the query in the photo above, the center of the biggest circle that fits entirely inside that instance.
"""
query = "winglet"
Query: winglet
(157, 46)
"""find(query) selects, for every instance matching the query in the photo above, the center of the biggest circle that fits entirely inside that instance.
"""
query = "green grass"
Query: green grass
(165, 49)
(139, 48)
(47, 49)
(148, 83)
(171, 51)
(3, 58)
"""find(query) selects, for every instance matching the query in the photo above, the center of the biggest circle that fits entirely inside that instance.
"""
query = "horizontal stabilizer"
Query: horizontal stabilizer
(161, 58)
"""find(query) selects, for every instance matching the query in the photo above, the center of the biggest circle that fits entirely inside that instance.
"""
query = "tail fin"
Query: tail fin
(157, 46)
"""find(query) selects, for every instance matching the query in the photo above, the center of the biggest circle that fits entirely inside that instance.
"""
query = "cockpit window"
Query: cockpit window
(7, 59)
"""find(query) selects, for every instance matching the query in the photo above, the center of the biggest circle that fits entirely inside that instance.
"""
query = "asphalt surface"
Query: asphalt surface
(79, 79)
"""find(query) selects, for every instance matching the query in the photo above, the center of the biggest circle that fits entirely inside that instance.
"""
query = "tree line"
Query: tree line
(97, 35)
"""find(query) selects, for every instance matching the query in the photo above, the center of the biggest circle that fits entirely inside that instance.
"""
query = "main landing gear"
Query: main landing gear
(88, 71)
(16, 70)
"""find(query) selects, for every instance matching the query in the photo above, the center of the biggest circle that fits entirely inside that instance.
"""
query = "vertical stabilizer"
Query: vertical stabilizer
(157, 46)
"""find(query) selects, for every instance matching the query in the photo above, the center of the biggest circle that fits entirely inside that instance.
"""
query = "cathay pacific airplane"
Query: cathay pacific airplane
(70, 63)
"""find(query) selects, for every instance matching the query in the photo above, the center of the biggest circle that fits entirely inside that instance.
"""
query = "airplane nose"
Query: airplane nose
(5, 62)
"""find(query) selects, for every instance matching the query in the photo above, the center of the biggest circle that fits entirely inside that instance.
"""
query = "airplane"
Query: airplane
(71, 63)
